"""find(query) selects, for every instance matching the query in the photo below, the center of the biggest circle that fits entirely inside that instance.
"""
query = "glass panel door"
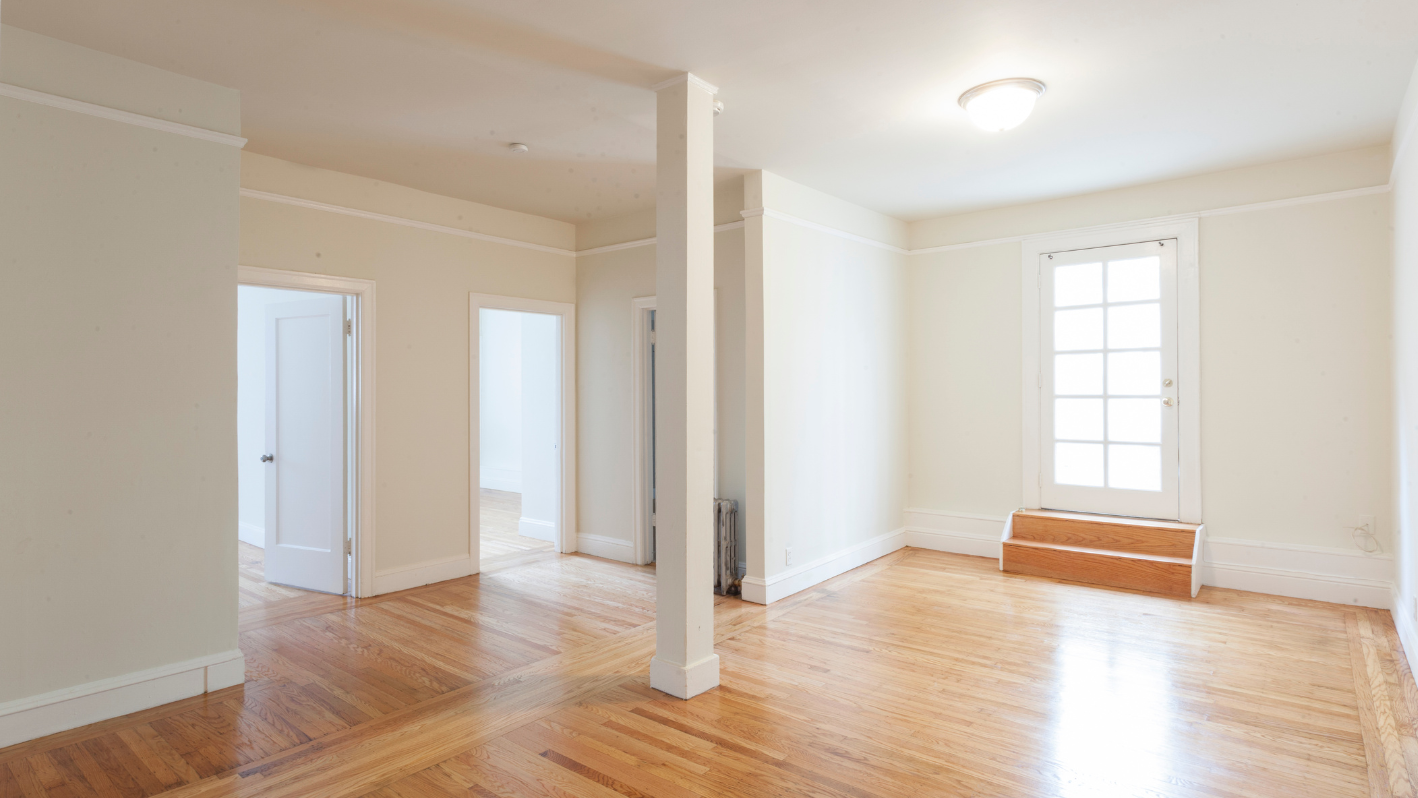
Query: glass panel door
(1108, 380)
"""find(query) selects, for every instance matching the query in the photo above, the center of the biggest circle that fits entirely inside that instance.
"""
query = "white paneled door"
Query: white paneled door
(305, 444)
(1108, 380)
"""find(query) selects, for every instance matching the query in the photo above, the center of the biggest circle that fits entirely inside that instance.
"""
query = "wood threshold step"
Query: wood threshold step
(1147, 572)
(1136, 535)
(1116, 520)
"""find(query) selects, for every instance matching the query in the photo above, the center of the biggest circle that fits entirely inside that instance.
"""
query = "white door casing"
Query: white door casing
(1063, 404)
(305, 437)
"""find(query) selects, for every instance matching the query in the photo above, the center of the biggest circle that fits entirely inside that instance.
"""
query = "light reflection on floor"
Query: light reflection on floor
(1114, 715)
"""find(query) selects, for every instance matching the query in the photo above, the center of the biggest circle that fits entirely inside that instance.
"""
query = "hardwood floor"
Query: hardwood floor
(252, 587)
(498, 527)
(919, 674)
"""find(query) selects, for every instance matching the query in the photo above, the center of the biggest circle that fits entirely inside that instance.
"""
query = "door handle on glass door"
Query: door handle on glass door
(267, 458)
(1168, 401)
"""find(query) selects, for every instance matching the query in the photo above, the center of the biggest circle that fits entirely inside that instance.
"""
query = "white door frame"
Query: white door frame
(1188, 346)
(641, 426)
(361, 423)
(566, 533)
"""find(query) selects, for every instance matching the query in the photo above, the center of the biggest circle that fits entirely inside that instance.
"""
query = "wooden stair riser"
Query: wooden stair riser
(1100, 534)
(1100, 568)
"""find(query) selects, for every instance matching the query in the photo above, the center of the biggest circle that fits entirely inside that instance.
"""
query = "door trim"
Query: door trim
(641, 431)
(566, 537)
(362, 482)
(1185, 231)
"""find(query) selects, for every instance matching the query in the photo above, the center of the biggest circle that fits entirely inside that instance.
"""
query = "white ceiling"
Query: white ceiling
(853, 98)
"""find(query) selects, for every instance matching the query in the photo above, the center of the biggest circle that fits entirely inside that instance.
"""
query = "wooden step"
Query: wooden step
(1137, 535)
(1132, 553)
(1170, 576)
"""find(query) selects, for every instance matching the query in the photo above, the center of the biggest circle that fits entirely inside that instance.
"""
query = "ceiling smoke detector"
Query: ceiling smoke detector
(517, 148)
(1001, 104)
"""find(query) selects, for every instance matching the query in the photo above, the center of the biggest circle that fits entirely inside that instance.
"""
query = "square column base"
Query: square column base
(685, 681)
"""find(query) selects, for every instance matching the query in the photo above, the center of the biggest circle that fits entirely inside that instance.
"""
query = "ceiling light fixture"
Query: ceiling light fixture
(1001, 104)
(517, 148)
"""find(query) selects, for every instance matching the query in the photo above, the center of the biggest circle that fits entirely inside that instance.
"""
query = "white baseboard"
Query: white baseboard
(684, 681)
(508, 479)
(36, 716)
(793, 580)
(1341, 576)
(957, 533)
(425, 573)
(1402, 612)
(609, 548)
(250, 533)
(536, 529)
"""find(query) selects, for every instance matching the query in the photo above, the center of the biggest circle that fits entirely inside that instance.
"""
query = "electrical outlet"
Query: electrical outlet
(788, 556)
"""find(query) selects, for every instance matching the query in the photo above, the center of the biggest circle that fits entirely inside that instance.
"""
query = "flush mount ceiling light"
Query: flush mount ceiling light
(517, 148)
(1001, 104)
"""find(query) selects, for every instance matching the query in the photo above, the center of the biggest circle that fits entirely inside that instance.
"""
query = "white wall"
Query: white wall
(1405, 363)
(423, 279)
(118, 416)
(500, 400)
(541, 426)
(826, 388)
(606, 284)
(1295, 320)
(251, 406)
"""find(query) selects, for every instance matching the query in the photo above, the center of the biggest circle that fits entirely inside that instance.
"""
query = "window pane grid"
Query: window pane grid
(1133, 461)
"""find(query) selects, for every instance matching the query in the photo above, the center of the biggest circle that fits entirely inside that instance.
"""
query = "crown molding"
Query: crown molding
(115, 115)
(399, 220)
(686, 77)
(1227, 211)
(645, 242)
(822, 228)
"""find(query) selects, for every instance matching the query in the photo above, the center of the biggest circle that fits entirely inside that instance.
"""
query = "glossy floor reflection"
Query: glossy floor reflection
(920, 674)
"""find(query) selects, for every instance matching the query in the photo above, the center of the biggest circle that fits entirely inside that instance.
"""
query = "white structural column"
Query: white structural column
(685, 664)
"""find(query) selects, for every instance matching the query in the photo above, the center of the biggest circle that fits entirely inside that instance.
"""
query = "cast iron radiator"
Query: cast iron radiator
(726, 547)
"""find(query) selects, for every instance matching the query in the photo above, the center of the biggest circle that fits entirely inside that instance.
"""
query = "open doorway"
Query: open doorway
(295, 404)
(521, 411)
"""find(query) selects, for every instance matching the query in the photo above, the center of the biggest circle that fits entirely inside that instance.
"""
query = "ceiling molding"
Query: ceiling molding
(645, 242)
(822, 228)
(1227, 211)
(115, 115)
(686, 77)
(399, 220)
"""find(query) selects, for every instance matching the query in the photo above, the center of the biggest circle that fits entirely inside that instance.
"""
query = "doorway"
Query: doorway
(324, 402)
(1111, 421)
(294, 397)
(522, 417)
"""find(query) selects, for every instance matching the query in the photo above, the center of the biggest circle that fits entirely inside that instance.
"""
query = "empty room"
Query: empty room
(467, 397)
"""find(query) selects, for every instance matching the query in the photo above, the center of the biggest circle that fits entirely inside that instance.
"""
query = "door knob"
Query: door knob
(1168, 401)
(267, 458)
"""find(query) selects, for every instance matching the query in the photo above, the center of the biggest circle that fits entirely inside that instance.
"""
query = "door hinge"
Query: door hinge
(349, 547)
(652, 520)
(652, 337)
(349, 327)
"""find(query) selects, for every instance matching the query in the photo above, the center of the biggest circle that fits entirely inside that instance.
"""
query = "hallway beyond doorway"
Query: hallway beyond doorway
(500, 511)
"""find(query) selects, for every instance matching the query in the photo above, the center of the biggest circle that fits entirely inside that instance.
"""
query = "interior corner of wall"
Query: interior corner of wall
(753, 189)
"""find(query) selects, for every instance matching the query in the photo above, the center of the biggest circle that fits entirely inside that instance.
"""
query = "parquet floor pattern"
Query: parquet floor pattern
(919, 674)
